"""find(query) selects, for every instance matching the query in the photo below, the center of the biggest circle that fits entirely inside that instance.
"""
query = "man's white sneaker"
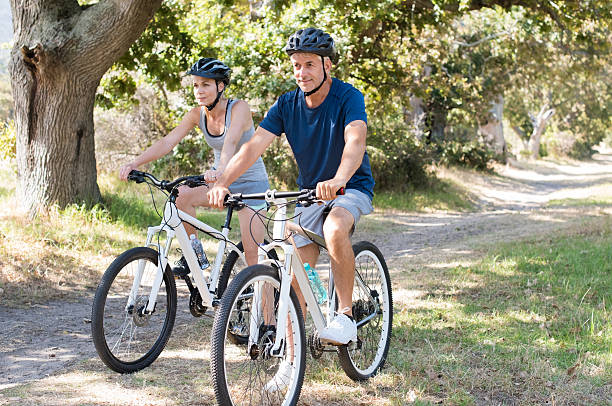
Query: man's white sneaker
(340, 331)
(281, 379)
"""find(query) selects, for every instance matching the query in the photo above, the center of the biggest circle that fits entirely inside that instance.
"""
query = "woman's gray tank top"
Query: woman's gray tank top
(257, 172)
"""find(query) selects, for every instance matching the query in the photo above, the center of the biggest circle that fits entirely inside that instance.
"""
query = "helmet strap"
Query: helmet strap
(219, 93)
(321, 84)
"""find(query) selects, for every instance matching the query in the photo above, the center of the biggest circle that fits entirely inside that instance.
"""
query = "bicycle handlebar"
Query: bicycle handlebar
(304, 196)
(190, 181)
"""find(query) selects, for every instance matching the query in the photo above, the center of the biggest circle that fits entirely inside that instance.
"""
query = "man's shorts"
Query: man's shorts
(312, 217)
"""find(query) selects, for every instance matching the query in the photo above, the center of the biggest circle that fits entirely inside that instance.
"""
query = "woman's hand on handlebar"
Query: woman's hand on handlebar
(211, 175)
(125, 170)
(216, 196)
(326, 190)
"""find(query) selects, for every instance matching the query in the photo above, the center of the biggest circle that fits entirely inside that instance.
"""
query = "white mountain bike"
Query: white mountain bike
(134, 307)
(261, 303)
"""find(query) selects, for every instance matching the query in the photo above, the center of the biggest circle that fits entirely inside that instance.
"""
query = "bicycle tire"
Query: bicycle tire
(229, 360)
(229, 271)
(355, 359)
(131, 353)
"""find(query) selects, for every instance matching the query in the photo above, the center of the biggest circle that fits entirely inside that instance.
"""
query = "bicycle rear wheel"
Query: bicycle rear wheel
(126, 339)
(373, 307)
(248, 374)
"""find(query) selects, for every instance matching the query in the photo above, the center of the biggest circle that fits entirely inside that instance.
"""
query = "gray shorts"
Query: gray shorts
(312, 217)
(248, 187)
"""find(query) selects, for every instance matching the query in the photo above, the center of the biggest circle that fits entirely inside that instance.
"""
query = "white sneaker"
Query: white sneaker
(340, 331)
(281, 379)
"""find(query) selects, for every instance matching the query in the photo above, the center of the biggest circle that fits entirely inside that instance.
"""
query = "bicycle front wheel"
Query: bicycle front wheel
(231, 268)
(247, 373)
(373, 313)
(126, 338)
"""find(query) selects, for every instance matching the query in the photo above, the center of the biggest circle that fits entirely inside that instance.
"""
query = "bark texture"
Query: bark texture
(539, 123)
(61, 51)
(493, 130)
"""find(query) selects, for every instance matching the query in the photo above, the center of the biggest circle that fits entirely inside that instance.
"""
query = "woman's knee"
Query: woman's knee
(191, 197)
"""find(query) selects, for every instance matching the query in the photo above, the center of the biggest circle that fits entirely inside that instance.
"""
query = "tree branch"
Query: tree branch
(106, 30)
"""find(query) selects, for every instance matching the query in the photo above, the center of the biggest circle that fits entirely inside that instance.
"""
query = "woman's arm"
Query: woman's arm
(164, 145)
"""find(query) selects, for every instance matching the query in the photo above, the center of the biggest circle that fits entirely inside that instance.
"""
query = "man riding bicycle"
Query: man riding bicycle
(325, 122)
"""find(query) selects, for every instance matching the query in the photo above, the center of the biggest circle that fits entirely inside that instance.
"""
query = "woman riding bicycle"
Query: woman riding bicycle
(226, 125)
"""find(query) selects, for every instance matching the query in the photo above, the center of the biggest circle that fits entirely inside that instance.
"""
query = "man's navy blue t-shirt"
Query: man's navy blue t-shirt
(316, 135)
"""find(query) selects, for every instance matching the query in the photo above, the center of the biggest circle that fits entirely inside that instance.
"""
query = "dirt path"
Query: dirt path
(42, 340)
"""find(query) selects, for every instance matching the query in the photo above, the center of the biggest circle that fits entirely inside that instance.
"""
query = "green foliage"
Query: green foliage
(452, 57)
(463, 150)
(398, 157)
(191, 156)
(8, 143)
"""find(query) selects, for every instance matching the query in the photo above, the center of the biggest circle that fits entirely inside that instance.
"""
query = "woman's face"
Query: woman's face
(205, 90)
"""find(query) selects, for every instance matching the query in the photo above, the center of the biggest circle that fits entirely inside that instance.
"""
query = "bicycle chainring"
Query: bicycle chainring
(195, 304)
(314, 343)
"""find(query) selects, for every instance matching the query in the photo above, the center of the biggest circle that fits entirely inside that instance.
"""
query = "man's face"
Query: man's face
(307, 70)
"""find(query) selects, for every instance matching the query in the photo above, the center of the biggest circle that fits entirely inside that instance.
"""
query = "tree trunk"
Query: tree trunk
(61, 51)
(539, 125)
(493, 130)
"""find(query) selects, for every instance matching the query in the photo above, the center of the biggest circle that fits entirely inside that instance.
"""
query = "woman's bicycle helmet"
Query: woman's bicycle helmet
(213, 69)
(314, 41)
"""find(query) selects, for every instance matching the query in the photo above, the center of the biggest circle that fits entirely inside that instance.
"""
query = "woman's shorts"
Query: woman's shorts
(248, 187)
(312, 217)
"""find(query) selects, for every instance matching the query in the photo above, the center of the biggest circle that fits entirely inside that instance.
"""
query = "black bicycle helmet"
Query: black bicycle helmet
(213, 69)
(312, 40)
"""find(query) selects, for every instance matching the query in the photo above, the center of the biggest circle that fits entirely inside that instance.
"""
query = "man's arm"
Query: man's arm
(243, 160)
(355, 145)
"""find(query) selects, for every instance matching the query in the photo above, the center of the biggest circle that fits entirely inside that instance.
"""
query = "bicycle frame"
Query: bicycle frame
(172, 225)
(292, 266)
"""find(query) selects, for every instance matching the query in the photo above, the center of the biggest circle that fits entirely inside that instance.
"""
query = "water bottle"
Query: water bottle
(315, 282)
(199, 251)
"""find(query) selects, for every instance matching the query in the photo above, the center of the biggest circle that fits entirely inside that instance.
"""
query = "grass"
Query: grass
(61, 254)
(522, 323)
(529, 323)
(441, 195)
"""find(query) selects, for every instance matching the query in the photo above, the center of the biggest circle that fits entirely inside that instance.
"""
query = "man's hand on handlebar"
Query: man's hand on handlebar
(216, 196)
(328, 189)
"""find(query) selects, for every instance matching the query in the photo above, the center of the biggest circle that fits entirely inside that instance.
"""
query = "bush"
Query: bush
(469, 154)
(399, 158)
(280, 164)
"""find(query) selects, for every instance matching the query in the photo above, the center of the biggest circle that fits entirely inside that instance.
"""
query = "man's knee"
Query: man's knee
(338, 224)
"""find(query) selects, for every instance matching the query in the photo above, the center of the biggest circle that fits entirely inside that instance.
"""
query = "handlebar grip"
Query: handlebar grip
(136, 176)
